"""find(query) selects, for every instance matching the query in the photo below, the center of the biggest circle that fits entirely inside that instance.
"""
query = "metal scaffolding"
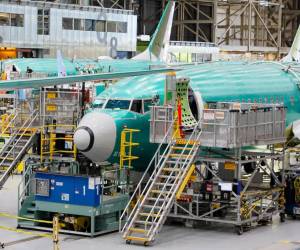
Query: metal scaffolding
(250, 25)
(290, 21)
(194, 20)
(235, 25)
(118, 4)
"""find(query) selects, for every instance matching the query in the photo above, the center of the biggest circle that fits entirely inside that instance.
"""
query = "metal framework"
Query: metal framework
(235, 25)
(290, 21)
(194, 20)
(256, 201)
(238, 25)
(250, 25)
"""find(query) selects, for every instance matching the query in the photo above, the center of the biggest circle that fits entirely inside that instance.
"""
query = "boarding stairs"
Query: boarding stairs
(19, 143)
(171, 172)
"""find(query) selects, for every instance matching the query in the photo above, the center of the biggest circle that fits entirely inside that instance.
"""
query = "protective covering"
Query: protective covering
(182, 90)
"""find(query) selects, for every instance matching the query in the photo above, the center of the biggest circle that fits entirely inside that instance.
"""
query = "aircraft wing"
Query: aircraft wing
(53, 81)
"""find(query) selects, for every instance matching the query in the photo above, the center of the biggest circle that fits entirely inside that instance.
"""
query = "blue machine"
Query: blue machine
(75, 190)
(292, 195)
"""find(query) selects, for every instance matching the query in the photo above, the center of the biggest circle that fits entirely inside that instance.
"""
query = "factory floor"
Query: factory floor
(278, 236)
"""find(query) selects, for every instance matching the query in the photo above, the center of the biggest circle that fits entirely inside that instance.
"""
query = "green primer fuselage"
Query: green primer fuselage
(219, 81)
(49, 66)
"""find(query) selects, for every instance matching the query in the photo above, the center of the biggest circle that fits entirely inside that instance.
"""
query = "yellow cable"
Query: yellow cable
(25, 232)
(24, 218)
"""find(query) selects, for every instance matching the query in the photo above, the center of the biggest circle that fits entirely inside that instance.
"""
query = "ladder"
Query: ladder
(14, 150)
(171, 169)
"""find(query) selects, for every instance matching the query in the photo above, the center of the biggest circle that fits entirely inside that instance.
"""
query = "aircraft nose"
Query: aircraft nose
(95, 136)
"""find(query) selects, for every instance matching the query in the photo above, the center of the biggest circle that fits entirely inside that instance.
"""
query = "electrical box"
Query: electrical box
(68, 189)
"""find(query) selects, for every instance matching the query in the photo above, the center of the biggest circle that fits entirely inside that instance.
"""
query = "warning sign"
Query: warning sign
(229, 166)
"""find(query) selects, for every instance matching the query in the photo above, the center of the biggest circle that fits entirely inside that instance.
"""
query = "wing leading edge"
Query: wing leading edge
(53, 81)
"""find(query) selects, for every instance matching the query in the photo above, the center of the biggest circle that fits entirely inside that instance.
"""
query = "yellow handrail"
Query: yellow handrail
(126, 147)
(52, 139)
(6, 122)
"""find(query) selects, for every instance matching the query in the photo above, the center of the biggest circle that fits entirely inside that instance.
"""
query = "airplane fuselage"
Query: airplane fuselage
(260, 82)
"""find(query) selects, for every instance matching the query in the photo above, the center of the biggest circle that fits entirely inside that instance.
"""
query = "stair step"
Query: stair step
(15, 146)
(150, 214)
(6, 158)
(181, 148)
(159, 192)
(151, 206)
(176, 161)
(167, 176)
(163, 184)
(138, 230)
(144, 222)
(20, 141)
(154, 199)
(134, 238)
(180, 156)
(172, 169)
(187, 141)
(12, 152)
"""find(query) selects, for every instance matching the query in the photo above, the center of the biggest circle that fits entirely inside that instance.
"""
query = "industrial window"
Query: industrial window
(147, 105)
(17, 20)
(111, 26)
(67, 23)
(100, 26)
(78, 24)
(43, 21)
(121, 27)
(89, 25)
(4, 19)
(93, 25)
(137, 106)
(11, 19)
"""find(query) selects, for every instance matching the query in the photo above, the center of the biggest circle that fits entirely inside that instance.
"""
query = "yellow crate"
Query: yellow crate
(229, 166)
(51, 108)
(51, 95)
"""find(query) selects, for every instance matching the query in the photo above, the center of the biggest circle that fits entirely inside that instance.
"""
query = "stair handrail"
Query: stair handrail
(162, 160)
(150, 182)
(9, 125)
(34, 114)
(139, 185)
(18, 132)
(174, 187)
(171, 193)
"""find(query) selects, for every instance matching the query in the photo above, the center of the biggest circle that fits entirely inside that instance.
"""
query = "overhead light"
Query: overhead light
(263, 3)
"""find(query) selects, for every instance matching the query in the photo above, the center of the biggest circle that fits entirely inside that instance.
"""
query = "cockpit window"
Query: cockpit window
(137, 106)
(98, 104)
(118, 104)
(147, 105)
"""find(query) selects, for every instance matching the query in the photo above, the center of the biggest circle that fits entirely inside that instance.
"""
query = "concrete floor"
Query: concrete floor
(277, 236)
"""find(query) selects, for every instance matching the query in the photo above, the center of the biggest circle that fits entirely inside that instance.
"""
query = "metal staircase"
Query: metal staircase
(19, 143)
(157, 198)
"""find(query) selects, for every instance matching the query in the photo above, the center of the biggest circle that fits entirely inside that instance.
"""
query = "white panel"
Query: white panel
(81, 43)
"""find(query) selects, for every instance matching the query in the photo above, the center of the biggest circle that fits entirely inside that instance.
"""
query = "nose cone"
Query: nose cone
(95, 136)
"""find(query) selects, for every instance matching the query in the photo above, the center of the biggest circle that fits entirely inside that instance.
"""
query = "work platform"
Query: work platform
(87, 205)
(40, 122)
(211, 172)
